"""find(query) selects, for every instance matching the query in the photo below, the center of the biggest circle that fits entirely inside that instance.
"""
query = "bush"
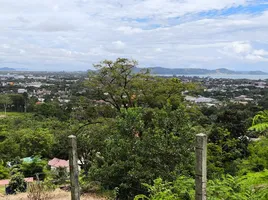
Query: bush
(252, 186)
(90, 187)
(4, 173)
(34, 168)
(181, 189)
(60, 176)
(39, 191)
(17, 183)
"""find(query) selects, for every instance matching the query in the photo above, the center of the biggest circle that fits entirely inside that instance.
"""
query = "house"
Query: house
(200, 99)
(243, 98)
(21, 91)
(56, 163)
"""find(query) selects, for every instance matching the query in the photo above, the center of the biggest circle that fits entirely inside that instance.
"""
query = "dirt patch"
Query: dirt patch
(56, 195)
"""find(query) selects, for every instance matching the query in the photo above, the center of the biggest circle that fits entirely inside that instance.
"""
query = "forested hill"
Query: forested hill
(198, 71)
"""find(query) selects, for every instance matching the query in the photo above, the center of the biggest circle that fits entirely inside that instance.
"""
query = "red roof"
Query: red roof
(6, 182)
(56, 162)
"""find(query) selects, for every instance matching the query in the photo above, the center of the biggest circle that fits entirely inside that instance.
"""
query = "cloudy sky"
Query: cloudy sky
(74, 34)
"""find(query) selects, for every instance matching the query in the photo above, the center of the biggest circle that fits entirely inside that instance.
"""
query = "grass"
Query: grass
(56, 195)
(2, 189)
(13, 114)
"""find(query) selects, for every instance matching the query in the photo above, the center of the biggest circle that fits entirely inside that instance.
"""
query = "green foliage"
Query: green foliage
(59, 176)
(36, 142)
(258, 159)
(51, 109)
(4, 172)
(235, 188)
(251, 186)
(24, 136)
(235, 118)
(5, 100)
(90, 187)
(181, 189)
(18, 102)
(224, 152)
(17, 183)
(116, 84)
(35, 168)
(260, 122)
(147, 143)
(135, 134)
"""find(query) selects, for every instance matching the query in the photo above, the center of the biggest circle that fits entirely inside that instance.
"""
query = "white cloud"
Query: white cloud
(243, 50)
(167, 33)
(241, 47)
(158, 50)
(129, 30)
(54, 26)
(119, 45)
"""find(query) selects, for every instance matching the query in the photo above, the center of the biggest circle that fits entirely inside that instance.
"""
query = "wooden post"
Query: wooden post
(75, 190)
(201, 167)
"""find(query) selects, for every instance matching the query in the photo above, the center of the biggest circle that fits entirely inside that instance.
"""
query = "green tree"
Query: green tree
(5, 100)
(17, 102)
(258, 159)
(143, 145)
(36, 142)
(35, 168)
(117, 84)
(25, 97)
(225, 152)
(114, 82)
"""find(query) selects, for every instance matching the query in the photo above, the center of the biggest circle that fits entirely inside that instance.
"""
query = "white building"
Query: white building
(21, 91)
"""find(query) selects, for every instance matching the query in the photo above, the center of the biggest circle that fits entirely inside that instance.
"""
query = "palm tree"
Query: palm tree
(260, 122)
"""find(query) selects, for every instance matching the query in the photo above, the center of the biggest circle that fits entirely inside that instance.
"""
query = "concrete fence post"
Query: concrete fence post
(73, 164)
(201, 167)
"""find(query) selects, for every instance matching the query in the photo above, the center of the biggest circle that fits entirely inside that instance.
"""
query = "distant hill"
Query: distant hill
(7, 69)
(198, 71)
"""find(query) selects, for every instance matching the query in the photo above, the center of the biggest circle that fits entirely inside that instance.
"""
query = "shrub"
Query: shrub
(90, 187)
(39, 191)
(17, 183)
(3, 172)
(34, 168)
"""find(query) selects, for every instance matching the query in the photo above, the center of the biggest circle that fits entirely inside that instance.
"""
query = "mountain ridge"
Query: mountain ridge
(7, 69)
(198, 71)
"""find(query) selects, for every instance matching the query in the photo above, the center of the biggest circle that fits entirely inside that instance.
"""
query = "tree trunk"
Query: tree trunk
(5, 108)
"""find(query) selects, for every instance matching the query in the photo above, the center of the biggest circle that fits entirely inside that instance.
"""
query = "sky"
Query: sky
(72, 35)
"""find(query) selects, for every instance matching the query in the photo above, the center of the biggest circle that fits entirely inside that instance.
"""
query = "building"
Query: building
(243, 98)
(21, 91)
(56, 163)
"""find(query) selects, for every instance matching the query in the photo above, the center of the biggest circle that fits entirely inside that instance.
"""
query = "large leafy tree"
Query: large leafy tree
(117, 84)
(114, 82)
(144, 144)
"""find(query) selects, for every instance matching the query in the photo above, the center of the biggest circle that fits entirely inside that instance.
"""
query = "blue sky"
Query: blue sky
(74, 34)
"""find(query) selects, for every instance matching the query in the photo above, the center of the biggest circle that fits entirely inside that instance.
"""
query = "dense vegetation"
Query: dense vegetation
(136, 136)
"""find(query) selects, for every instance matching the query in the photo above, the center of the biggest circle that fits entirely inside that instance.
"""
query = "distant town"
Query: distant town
(62, 86)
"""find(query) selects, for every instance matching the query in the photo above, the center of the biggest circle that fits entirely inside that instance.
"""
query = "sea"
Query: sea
(224, 76)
